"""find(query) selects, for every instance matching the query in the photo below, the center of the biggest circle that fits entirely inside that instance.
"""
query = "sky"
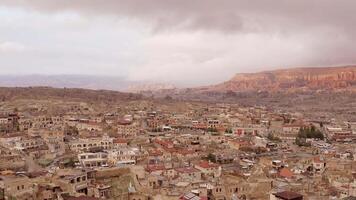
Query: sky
(186, 42)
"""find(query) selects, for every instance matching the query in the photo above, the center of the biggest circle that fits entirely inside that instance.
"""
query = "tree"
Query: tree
(228, 130)
(71, 130)
(211, 157)
(69, 163)
(168, 98)
(308, 132)
(271, 137)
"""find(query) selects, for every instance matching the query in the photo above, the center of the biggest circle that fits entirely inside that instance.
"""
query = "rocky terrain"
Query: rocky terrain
(324, 78)
(29, 93)
(316, 91)
(284, 81)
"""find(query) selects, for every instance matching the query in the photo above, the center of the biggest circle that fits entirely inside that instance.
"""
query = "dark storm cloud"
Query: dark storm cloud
(188, 40)
(220, 15)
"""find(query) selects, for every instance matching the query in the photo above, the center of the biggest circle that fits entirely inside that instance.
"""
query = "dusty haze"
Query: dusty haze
(186, 42)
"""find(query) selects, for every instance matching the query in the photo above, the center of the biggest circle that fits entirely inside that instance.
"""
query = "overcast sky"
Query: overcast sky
(188, 42)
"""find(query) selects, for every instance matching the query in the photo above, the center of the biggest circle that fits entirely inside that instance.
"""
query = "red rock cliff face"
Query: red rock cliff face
(289, 79)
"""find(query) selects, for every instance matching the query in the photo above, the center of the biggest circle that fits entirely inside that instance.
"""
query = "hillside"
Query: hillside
(313, 91)
(93, 82)
(9, 93)
(69, 81)
(297, 79)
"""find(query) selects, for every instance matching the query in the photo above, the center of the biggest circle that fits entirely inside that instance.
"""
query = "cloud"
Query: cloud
(11, 47)
(199, 58)
(197, 41)
(222, 15)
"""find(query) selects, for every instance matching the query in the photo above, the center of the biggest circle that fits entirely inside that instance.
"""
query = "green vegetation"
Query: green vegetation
(273, 138)
(306, 133)
(44, 162)
(69, 162)
(71, 130)
(228, 130)
(321, 124)
(251, 149)
(2, 194)
(211, 157)
(310, 132)
(10, 197)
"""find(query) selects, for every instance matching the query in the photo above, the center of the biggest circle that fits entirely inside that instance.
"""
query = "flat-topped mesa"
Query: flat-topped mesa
(306, 78)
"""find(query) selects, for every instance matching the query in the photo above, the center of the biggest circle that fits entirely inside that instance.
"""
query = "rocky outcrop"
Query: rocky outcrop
(323, 78)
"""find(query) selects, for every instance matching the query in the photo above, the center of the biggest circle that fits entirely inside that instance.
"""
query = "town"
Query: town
(177, 100)
(147, 150)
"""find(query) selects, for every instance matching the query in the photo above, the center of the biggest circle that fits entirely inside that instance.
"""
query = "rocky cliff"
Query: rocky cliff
(323, 78)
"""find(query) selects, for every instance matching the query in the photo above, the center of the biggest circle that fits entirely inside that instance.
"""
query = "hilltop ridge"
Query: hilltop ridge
(315, 78)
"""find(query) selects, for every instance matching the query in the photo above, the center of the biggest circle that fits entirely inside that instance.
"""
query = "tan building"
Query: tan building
(18, 187)
(98, 159)
(8, 122)
(209, 169)
(29, 143)
(188, 173)
(47, 122)
(75, 182)
(123, 156)
(127, 129)
(25, 124)
(85, 144)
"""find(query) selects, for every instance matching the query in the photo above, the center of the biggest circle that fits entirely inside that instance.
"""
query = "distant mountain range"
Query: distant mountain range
(72, 94)
(81, 81)
(316, 92)
(284, 80)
